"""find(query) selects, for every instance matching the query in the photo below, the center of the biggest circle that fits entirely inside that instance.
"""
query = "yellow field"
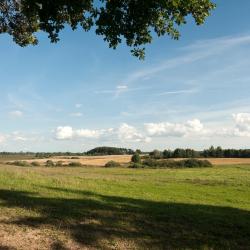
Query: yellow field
(123, 159)
(88, 160)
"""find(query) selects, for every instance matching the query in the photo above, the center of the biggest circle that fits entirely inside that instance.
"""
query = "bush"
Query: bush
(190, 163)
(194, 163)
(74, 157)
(156, 154)
(75, 164)
(161, 163)
(21, 163)
(49, 163)
(150, 162)
(59, 164)
(136, 158)
(136, 165)
(112, 164)
(35, 164)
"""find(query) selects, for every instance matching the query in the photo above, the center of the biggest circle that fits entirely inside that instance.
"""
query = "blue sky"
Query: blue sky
(78, 93)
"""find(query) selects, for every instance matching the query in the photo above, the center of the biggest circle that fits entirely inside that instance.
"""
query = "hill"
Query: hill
(109, 151)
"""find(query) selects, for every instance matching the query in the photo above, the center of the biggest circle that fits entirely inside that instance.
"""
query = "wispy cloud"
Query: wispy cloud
(78, 105)
(193, 53)
(77, 114)
(120, 89)
(16, 113)
(178, 92)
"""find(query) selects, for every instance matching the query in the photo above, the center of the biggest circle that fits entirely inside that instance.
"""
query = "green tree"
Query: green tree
(136, 158)
(156, 154)
(167, 154)
(116, 21)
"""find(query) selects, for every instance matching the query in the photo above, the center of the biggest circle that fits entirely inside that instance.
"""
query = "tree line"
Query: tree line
(212, 152)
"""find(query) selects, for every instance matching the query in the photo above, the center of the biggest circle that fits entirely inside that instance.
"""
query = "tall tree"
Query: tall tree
(131, 21)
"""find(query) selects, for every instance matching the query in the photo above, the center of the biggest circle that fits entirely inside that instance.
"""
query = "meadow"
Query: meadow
(121, 208)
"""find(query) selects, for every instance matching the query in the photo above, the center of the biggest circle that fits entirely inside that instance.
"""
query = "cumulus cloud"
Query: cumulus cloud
(130, 133)
(16, 113)
(88, 133)
(67, 132)
(64, 133)
(2, 138)
(242, 124)
(175, 129)
(240, 128)
(124, 133)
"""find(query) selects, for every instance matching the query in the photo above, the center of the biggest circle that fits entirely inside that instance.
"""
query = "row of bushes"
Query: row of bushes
(189, 163)
(48, 163)
(152, 163)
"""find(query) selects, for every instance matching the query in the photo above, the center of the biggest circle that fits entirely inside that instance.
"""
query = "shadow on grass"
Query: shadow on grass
(94, 219)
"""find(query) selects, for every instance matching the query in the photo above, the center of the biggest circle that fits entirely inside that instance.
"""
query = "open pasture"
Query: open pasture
(120, 208)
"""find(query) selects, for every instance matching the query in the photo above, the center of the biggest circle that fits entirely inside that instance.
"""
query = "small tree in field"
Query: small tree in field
(136, 158)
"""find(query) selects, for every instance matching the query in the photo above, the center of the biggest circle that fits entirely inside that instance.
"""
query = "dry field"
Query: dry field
(88, 160)
(123, 159)
(229, 161)
(225, 161)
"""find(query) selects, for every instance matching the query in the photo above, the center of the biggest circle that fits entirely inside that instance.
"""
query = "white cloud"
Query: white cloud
(78, 105)
(88, 133)
(67, 132)
(64, 133)
(77, 114)
(194, 53)
(16, 113)
(191, 129)
(130, 133)
(242, 124)
(2, 138)
(175, 129)
(124, 133)
(20, 138)
(177, 92)
(121, 87)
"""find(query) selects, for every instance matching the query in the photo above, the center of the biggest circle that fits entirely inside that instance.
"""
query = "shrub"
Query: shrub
(150, 162)
(59, 164)
(136, 165)
(156, 154)
(74, 157)
(136, 158)
(49, 163)
(35, 164)
(194, 163)
(189, 163)
(21, 163)
(75, 164)
(112, 164)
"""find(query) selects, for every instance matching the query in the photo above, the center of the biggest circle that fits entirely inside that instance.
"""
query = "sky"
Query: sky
(79, 94)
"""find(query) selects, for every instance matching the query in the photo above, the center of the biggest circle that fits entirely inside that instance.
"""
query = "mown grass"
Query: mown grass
(123, 208)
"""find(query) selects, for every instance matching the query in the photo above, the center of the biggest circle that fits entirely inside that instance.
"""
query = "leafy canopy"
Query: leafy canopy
(129, 21)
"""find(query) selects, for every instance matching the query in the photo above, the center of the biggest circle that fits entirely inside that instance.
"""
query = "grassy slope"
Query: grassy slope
(61, 208)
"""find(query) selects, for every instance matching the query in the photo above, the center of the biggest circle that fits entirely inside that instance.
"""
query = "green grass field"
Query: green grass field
(91, 208)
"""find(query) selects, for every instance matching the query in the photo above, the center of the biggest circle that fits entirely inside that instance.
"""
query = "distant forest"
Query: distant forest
(212, 152)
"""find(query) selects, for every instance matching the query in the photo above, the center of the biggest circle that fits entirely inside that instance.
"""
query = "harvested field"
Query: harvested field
(88, 160)
(123, 159)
